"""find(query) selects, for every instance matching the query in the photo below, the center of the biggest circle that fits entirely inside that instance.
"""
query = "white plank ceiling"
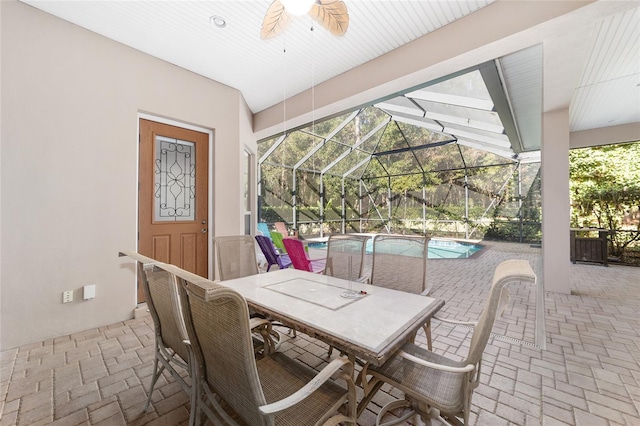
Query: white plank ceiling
(609, 91)
(180, 32)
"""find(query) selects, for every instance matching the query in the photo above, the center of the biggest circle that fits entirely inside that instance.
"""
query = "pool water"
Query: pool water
(438, 249)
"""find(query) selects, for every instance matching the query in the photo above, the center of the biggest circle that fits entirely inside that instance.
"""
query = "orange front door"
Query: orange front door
(173, 196)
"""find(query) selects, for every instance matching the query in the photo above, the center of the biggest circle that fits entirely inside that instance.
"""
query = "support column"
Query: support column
(555, 201)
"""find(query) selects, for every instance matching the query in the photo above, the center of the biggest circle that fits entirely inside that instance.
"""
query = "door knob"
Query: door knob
(203, 230)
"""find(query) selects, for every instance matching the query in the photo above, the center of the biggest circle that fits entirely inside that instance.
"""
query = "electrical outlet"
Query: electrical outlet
(67, 296)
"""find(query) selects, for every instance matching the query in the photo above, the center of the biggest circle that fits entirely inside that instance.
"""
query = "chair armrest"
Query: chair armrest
(471, 323)
(302, 393)
(322, 263)
(258, 322)
(263, 326)
(466, 369)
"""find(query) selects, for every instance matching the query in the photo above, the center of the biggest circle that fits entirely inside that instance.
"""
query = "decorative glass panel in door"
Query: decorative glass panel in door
(174, 180)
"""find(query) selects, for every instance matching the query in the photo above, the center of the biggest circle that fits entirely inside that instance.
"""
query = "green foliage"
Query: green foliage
(605, 191)
(514, 231)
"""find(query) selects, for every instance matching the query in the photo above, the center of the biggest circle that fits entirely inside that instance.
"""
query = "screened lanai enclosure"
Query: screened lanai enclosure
(449, 159)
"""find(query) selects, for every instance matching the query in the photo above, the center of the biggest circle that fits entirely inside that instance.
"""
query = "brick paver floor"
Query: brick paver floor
(589, 373)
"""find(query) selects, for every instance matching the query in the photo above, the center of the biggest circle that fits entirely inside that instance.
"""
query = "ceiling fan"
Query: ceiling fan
(331, 14)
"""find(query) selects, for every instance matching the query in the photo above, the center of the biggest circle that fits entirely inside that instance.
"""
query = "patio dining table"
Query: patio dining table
(370, 324)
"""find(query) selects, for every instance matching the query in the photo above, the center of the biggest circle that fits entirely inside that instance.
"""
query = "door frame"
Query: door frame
(210, 176)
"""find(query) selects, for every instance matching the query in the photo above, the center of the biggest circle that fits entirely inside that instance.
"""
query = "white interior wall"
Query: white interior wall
(69, 106)
(0, 173)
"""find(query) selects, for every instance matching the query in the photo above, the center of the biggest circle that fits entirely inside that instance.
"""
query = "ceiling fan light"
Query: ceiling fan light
(297, 7)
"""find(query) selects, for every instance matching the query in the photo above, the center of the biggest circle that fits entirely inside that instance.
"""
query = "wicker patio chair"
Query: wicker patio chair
(436, 385)
(300, 258)
(236, 256)
(273, 390)
(400, 263)
(271, 253)
(172, 351)
(345, 251)
(282, 228)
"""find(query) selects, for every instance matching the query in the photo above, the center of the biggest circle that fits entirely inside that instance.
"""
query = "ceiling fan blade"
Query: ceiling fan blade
(331, 14)
(275, 20)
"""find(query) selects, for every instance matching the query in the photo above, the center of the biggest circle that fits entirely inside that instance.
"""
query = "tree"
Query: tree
(605, 191)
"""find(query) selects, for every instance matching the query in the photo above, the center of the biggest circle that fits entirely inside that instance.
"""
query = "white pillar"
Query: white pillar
(555, 201)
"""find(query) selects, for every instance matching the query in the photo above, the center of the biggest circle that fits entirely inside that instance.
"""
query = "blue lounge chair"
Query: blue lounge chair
(263, 228)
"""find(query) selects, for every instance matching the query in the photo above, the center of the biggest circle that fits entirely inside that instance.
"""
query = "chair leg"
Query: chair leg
(427, 332)
(370, 391)
(194, 414)
(427, 413)
(401, 419)
(156, 373)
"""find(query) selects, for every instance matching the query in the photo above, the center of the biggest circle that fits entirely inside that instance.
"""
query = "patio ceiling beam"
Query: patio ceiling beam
(443, 98)
(413, 148)
(273, 148)
(328, 137)
(419, 123)
(391, 108)
(490, 141)
(496, 87)
(452, 169)
(506, 153)
(420, 112)
(357, 166)
(357, 145)
(466, 122)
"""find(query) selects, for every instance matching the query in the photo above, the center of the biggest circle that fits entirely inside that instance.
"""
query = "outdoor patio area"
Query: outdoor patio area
(589, 373)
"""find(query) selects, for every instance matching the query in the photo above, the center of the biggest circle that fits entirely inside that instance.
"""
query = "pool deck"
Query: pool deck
(589, 373)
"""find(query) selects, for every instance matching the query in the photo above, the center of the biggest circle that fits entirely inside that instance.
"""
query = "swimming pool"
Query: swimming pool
(438, 249)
